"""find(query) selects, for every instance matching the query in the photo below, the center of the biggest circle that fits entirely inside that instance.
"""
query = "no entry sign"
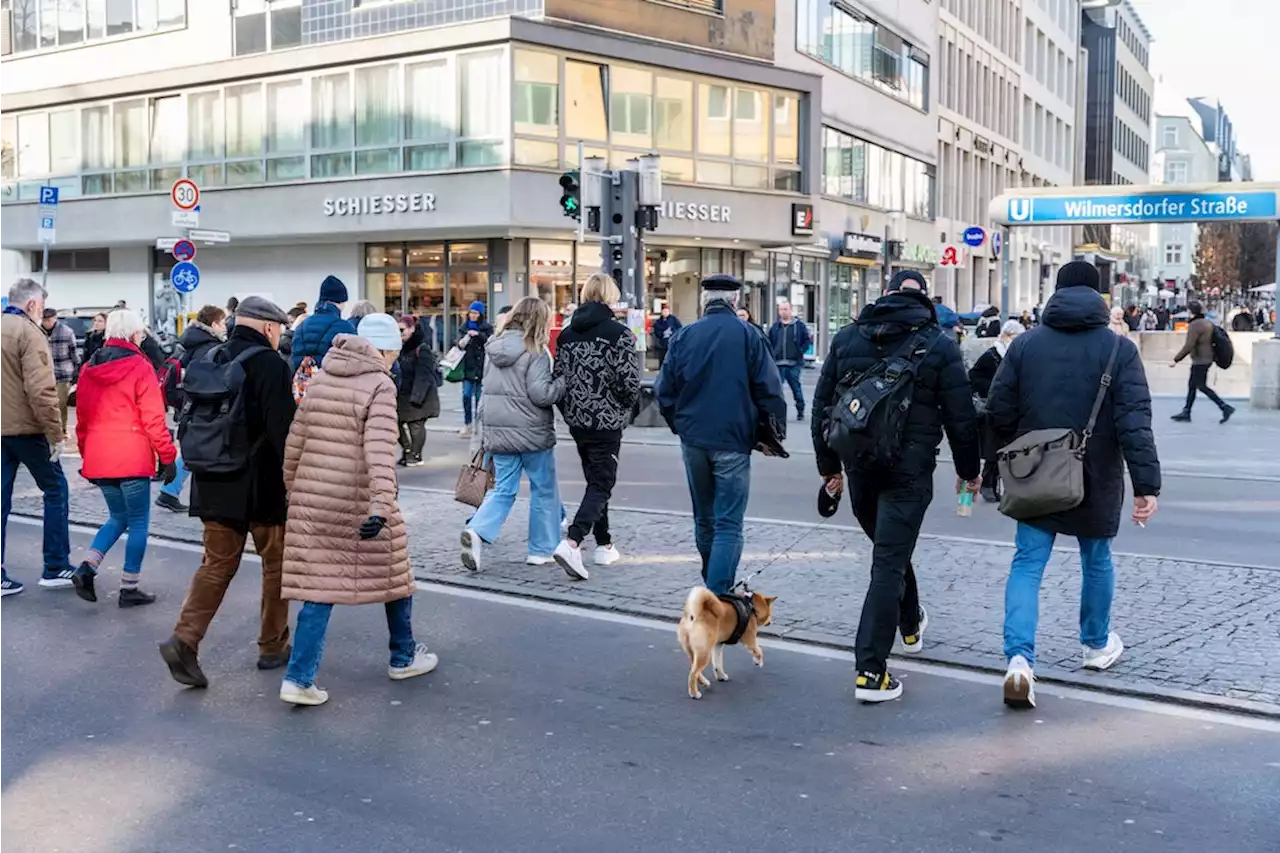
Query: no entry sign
(184, 250)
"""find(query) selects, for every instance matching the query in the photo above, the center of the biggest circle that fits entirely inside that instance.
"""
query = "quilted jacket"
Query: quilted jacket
(518, 394)
(340, 469)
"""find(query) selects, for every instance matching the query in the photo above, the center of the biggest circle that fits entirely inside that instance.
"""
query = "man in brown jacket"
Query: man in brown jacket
(1199, 345)
(31, 433)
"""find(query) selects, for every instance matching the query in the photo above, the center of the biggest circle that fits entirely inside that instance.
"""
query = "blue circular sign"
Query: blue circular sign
(185, 276)
(997, 243)
(974, 236)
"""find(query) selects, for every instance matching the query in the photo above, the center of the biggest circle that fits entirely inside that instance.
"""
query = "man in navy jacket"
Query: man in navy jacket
(716, 381)
(316, 333)
(1050, 378)
(789, 340)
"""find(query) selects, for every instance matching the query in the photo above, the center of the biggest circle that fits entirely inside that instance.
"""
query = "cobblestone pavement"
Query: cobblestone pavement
(1196, 631)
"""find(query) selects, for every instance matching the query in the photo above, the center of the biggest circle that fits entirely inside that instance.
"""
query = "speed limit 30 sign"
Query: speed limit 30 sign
(185, 194)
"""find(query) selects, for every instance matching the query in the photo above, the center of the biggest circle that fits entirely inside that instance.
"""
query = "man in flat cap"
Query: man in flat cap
(247, 501)
(716, 381)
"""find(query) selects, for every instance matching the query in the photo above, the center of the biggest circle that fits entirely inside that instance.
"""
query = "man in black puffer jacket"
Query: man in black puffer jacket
(597, 357)
(890, 504)
(1050, 378)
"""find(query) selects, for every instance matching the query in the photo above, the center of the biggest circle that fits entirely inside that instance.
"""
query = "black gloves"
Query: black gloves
(167, 472)
(372, 527)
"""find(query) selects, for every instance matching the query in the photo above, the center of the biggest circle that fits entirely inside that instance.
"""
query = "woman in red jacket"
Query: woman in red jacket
(120, 424)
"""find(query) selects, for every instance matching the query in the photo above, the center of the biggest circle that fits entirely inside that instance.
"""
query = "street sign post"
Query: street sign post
(185, 194)
(1237, 202)
(184, 250)
(185, 218)
(47, 231)
(185, 276)
(208, 236)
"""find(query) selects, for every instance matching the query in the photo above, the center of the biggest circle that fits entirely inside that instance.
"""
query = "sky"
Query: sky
(1224, 49)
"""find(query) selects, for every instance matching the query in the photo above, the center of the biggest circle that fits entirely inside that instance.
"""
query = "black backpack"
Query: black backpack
(865, 425)
(213, 427)
(1223, 352)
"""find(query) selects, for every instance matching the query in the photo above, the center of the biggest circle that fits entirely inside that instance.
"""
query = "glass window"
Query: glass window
(33, 144)
(468, 253)
(429, 105)
(428, 158)
(204, 125)
(206, 176)
(244, 172)
(712, 172)
(751, 177)
(677, 169)
(250, 33)
(244, 121)
(551, 273)
(631, 106)
(171, 13)
(70, 21)
(877, 191)
(786, 129)
(750, 125)
(331, 165)
(95, 138)
(673, 111)
(426, 254)
(331, 111)
(536, 152)
(378, 105)
(584, 86)
(130, 133)
(48, 22)
(481, 79)
(25, 26)
(96, 13)
(537, 93)
(286, 116)
(286, 25)
(8, 147)
(377, 160)
(119, 17)
(384, 256)
(713, 119)
(168, 130)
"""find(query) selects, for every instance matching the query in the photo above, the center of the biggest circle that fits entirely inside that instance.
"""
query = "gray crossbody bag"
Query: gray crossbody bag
(1043, 471)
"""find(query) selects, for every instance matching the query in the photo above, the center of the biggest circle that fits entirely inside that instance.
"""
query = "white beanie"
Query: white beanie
(381, 330)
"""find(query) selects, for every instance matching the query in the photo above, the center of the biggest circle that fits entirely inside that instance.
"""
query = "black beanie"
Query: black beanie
(333, 290)
(1078, 274)
(901, 276)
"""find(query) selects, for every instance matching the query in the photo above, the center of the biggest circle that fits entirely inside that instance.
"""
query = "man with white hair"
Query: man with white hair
(716, 382)
(31, 433)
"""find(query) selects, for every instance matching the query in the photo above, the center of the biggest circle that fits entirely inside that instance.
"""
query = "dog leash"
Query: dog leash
(744, 583)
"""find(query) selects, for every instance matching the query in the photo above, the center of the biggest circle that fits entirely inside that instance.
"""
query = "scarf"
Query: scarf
(1002, 346)
(12, 309)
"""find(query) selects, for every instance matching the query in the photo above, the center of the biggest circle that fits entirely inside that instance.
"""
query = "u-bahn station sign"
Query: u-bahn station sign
(1236, 202)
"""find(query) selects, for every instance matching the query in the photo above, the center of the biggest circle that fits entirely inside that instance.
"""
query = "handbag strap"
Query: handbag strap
(1103, 385)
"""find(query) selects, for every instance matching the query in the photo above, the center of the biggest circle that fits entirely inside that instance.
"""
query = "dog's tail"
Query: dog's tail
(700, 602)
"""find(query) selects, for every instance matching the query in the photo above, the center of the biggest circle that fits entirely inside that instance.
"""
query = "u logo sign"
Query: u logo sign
(1019, 209)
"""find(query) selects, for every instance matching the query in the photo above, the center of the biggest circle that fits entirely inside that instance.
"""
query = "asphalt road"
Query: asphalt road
(1201, 517)
(552, 729)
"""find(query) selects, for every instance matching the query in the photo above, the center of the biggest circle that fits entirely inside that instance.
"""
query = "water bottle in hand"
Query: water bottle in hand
(964, 503)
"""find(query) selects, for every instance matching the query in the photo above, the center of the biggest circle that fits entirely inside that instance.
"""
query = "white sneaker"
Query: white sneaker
(1104, 657)
(60, 580)
(536, 560)
(914, 644)
(606, 555)
(569, 558)
(465, 431)
(296, 694)
(1019, 684)
(471, 550)
(422, 663)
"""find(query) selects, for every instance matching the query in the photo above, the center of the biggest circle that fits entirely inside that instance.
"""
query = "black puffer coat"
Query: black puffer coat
(942, 398)
(1049, 379)
(418, 397)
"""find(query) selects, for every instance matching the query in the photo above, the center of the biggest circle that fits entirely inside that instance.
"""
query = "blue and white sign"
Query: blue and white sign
(48, 212)
(185, 277)
(997, 243)
(49, 196)
(974, 236)
(1241, 203)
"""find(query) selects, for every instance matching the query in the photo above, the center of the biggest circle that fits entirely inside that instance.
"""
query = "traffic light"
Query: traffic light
(569, 198)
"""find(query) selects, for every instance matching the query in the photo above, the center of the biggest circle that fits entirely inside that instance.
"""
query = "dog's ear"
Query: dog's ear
(770, 599)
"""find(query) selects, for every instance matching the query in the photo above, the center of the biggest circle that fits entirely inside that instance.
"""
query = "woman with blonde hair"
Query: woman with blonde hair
(519, 434)
(597, 359)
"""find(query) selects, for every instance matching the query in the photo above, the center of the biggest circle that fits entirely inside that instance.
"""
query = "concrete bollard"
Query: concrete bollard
(1264, 392)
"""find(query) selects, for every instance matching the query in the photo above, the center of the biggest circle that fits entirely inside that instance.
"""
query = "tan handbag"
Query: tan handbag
(474, 481)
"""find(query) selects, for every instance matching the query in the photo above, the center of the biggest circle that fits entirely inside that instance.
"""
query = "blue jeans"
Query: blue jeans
(790, 374)
(313, 624)
(545, 508)
(33, 452)
(719, 483)
(470, 391)
(128, 508)
(174, 489)
(1022, 592)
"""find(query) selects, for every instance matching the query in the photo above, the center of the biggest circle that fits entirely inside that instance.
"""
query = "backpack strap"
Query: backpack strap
(1103, 385)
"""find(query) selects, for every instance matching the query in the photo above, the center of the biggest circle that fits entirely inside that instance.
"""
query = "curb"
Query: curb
(971, 663)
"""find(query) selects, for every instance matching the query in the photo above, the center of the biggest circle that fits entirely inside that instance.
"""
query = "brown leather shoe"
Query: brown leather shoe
(183, 665)
(276, 660)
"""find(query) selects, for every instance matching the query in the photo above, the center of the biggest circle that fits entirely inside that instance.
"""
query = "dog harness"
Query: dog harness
(744, 608)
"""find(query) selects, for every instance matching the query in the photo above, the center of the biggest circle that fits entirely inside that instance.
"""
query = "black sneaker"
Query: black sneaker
(875, 687)
(1227, 412)
(169, 502)
(989, 495)
(82, 579)
(1181, 417)
(133, 597)
(10, 587)
(275, 661)
(799, 415)
(183, 665)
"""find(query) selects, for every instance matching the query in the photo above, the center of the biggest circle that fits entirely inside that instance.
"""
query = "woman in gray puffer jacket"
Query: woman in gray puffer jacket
(519, 433)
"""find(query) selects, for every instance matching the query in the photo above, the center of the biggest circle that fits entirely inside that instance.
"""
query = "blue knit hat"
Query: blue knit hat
(477, 306)
(333, 290)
